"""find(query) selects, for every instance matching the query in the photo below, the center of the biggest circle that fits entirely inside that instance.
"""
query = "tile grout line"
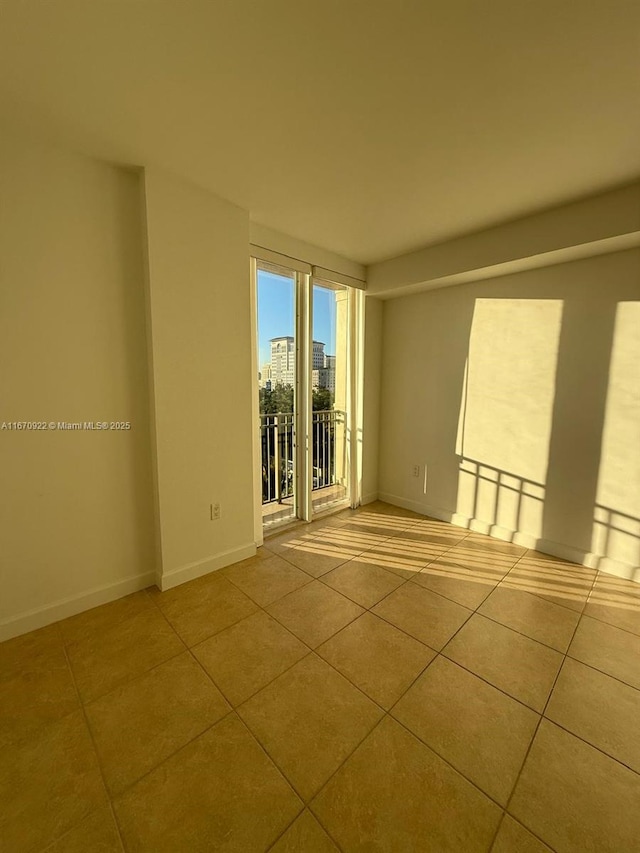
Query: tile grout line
(379, 616)
(610, 624)
(438, 654)
(603, 672)
(260, 608)
(314, 651)
(233, 708)
(313, 817)
(387, 713)
(535, 733)
(592, 745)
(97, 758)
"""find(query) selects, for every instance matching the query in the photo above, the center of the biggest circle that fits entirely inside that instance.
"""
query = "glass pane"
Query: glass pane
(276, 381)
(330, 463)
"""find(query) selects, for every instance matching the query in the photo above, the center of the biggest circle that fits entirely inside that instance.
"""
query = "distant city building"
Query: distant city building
(283, 361)
(318, 355)
(264, 377)
(325, 376)
(282, 367)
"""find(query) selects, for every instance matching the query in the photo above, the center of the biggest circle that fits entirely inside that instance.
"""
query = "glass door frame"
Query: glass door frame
(303, 396)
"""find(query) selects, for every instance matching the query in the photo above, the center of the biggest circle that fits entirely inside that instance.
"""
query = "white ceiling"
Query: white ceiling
(369, 128)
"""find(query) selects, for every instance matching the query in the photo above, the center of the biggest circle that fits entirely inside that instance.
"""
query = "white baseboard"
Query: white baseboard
(526, 540)
(368, 499)
(41, 616)
(417, 506)
(619, 568)
(203, 567)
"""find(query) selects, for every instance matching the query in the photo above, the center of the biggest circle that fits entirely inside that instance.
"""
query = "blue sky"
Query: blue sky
(276, 313)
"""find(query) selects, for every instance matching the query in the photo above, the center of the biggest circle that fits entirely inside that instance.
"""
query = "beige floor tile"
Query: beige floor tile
(470, 557)
(100, 619)
(265, 581)
(393, 560)
(552, 579)
(405, 557)
(41, 691)
(309, 720)
(362, 582)
(316, 555)
(425, 615)
(48, 784)
(388, 513)
(244, 658)
(490, 544)
(273, 541)
(541, 620)
(436, 525)
(35, 650)
(392, 511)
(542, 559)
(354, 534)
(514, 838)
(394, 794)
(263, 553)
(104, 661)
(474, 726)
(519, 666)
(296, 536)
(138, 725)
(576, 798)
(376, 530)
(607, 648)
(320, 525)
(422, 532)
(385, 508)
(599, 709)
(347, 512)
(468, 587)
(315, 612)
(305, 835)
(220, 792)
(95, 834)
(199, 610)
(378, 658)
(616, 601)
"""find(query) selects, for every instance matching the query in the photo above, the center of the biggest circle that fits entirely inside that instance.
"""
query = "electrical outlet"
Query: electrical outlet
(416, 470)
(215, 511)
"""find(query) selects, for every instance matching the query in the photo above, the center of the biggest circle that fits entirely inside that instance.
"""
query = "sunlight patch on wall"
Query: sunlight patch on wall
(506, 412)
(616, 530)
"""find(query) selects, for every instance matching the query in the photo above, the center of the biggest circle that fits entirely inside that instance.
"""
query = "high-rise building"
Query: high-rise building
(283, 360)
(325, 376)
(264, 376)
(318, 355)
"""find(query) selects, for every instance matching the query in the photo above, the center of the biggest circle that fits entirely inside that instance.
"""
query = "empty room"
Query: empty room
(319, 426)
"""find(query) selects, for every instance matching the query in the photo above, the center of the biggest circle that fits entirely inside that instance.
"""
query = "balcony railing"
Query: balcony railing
(278, 448)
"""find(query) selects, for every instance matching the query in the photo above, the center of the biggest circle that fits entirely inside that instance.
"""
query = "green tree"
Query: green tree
(322, 400)
(279, 399)
(276, 400)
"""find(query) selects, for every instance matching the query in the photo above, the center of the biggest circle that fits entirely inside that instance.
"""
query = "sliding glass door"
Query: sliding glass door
(276, 291)
(330, 387)
(303, 393)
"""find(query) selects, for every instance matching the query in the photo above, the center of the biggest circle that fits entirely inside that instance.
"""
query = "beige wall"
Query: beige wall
(521, 396)
(200, 316)
(124, 297)
(598, 224)
(371, 397)
(75, 507)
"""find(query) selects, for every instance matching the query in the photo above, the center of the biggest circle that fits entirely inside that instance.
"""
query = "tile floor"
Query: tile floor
(376, 681)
